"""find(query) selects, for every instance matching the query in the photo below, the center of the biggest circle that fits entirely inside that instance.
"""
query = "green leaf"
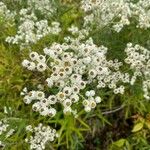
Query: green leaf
(138, 127)
(147, 124)
(120, 142)
(83, 123)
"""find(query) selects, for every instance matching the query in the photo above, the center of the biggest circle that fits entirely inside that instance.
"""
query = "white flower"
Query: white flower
(85, 103)
(41, 67)
(40, 95)
(74, 98)
(34, 56)
(87, 108)
(25, 63)
(44, 111)
(60, 84)
(32, 95)
(92, 73)
(27, 99)
(61, 96)
(67, 110)
(49, 82)
(41, 59)
(55, 77)
(116, 91)
(3, 126)
(88, 94)
(92, 104)
(50, 53)
(68, 70)
(67, 103)
(75, 78)
(75, 89)
(67, 91)
(87, 60)
(52, 99)
(29, 128)
(36, 106)
(81, 84)
(98, 99)
(31, 66)
(92, 93)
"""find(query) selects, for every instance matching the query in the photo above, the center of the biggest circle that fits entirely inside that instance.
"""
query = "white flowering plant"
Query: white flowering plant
(71, 71)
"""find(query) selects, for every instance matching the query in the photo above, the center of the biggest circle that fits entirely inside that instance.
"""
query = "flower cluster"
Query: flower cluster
(141, 11)
(76, 70)
(75, 65)
(37, 62)
(117, 13)
(42, 104)
(5, 131)
(3, 126)
(41, 135)
(31, 29)
(44, 6)
(138, 58)
(10, 133)
(91, 101)
(5, 13)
